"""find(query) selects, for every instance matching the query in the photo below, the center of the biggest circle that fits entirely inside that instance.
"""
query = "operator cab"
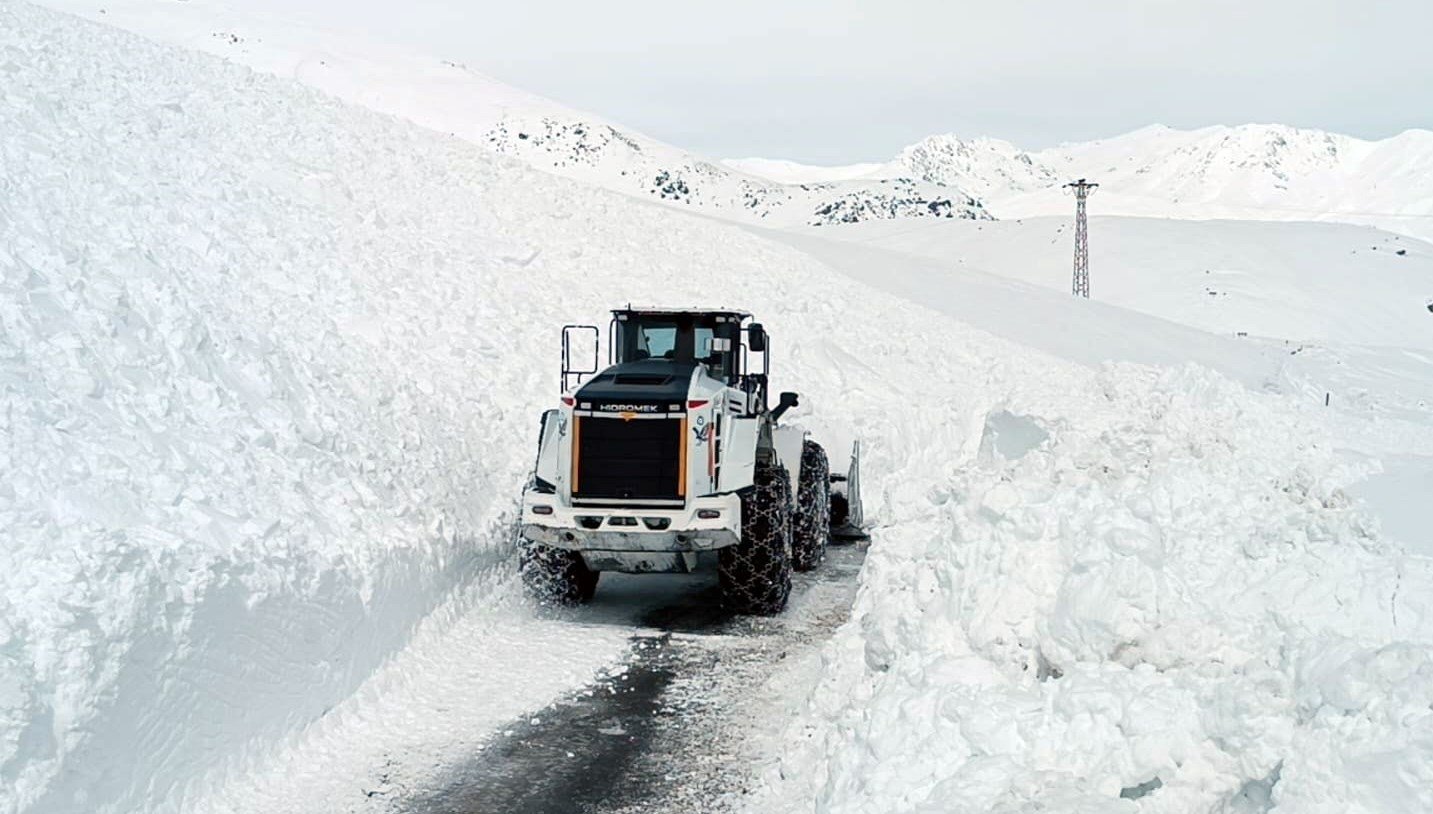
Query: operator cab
(711, 339)
(653, 352)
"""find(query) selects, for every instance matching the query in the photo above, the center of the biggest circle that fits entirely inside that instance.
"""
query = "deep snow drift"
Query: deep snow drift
(252, 434)
(272, 367)
(1166, 605)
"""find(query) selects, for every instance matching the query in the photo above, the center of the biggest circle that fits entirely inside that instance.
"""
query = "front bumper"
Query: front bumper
(618, 529)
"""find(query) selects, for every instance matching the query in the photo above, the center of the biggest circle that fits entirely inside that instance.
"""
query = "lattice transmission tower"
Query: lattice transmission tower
(1081, 286)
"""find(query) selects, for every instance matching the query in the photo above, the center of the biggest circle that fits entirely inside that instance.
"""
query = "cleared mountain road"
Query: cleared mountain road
(679, 729)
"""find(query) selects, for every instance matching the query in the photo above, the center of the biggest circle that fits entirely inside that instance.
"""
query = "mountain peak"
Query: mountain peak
(981, 165)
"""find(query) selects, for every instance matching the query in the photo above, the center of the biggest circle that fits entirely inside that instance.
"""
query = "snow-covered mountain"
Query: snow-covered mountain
(991, 166)
(608, 156)
(982, 166)
(1250, 172)
(448, 97)
(1265, 172)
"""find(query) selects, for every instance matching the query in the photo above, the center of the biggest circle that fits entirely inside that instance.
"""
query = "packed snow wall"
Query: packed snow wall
(1149, 594)
(246, 447)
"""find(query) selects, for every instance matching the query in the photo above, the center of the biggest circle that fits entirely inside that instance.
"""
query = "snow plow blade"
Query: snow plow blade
(847, 519)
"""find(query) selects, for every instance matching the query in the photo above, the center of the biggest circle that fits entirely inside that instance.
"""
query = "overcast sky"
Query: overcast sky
(842, 81)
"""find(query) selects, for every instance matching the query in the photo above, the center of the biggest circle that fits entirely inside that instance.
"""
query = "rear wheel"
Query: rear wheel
(556, 576)
(813, 509)
(756, 573)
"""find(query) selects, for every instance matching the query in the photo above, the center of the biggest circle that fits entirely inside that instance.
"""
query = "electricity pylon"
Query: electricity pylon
(1081, 285)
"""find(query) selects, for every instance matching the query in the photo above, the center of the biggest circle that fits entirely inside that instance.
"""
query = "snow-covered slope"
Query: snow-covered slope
(270, 366)
(440, 94)
(1334, 313)
(448, 97)
(1287, 281)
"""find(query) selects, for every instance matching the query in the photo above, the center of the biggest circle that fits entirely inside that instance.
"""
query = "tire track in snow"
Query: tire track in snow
(673, 732)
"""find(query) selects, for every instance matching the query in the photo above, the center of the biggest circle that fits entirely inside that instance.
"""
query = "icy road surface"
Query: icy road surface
(679, 727)
(678, 706)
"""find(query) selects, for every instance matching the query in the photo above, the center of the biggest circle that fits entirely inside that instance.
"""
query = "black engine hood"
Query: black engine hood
(648, 381)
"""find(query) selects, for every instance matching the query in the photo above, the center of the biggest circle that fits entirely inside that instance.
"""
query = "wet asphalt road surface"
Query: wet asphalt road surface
(668, 734)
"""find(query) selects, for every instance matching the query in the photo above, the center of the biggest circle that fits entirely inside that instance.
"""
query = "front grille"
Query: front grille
(638, 459)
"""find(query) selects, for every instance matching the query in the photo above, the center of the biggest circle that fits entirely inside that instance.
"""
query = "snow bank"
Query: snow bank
(251, 432)
(1167, 605)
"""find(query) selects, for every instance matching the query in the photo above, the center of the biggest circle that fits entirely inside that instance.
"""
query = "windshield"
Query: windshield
(696, 338)
(654, 340)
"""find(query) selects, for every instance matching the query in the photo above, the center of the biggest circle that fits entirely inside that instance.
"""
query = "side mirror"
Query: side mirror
(786, 401)
(756, 337)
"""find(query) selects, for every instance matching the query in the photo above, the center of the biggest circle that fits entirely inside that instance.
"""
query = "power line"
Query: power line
(1083, 189)
(1216, 206)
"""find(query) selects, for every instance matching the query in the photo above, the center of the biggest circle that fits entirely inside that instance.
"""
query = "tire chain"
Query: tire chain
(813, 509)
(756, 573)
(555, 576)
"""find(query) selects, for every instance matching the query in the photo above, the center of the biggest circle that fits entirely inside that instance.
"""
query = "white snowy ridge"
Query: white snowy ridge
(605, 155)
(1249, 172)
(1262, 172)
(448, 97)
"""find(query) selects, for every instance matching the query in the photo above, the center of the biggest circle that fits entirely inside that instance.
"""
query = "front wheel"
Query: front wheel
(556, 576)
(755, 574)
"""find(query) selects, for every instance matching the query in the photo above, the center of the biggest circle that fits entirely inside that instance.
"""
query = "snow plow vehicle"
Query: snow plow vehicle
(673, 451)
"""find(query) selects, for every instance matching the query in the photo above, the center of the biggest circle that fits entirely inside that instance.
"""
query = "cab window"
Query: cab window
(653, 340)
(715, 345)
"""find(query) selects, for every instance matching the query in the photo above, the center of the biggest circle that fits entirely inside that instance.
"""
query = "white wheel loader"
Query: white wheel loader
(672, 451)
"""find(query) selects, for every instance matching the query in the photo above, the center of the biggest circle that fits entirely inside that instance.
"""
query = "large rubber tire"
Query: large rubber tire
(756, 573)
(813, 509)
(556, 576)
